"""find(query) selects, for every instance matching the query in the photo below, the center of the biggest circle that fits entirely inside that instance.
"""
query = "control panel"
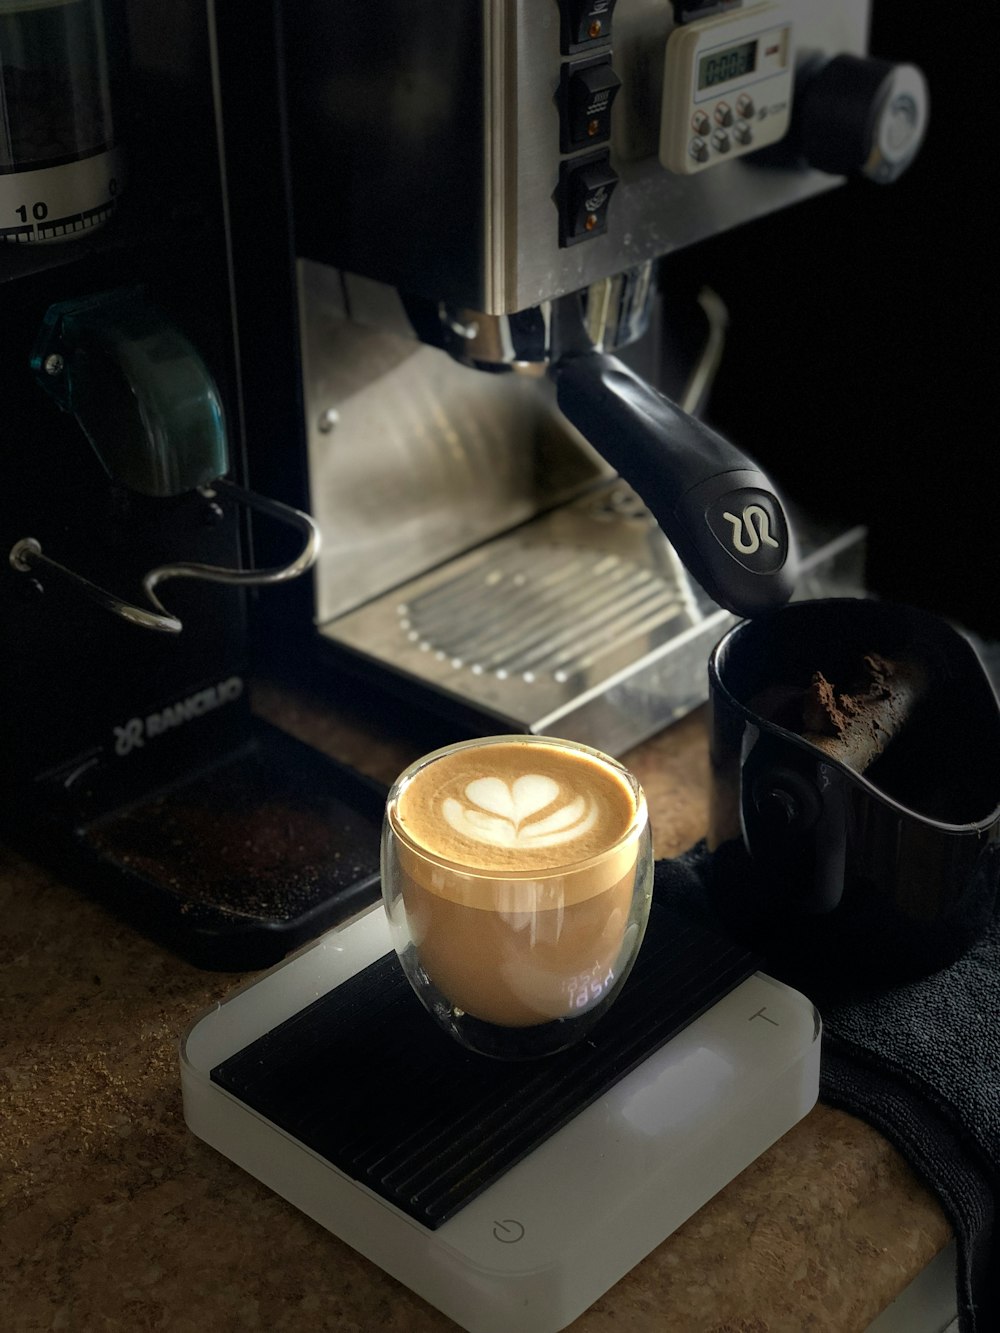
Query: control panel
(587, 89)
(727, 87)
(506, 152)
(727, 91)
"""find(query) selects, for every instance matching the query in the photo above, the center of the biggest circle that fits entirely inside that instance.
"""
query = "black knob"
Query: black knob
(855, 114)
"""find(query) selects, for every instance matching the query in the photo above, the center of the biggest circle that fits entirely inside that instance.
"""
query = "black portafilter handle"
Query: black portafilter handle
(716, 507)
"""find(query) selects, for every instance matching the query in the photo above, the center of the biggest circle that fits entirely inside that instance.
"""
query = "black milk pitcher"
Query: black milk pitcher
(875, 875)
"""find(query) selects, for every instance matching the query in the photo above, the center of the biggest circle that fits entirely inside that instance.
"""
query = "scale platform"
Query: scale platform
(508, 1195)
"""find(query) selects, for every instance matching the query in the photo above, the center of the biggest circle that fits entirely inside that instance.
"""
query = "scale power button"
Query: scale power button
(509, 1231)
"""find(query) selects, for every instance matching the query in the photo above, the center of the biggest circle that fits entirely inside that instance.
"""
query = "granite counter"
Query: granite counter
(114, 1217)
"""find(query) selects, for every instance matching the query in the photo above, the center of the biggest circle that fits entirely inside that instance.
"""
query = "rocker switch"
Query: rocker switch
(586, 186)
(587, 95)
(585, 22)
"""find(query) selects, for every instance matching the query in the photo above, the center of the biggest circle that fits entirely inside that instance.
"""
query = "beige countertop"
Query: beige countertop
(113, 1216)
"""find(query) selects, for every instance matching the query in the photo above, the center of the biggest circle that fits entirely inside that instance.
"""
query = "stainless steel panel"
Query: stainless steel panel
(426, 146)
(653, 211)
(414, 458)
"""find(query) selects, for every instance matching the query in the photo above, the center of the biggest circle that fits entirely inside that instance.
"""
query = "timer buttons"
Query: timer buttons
(585, 188)
(698, 149)
(732, 66)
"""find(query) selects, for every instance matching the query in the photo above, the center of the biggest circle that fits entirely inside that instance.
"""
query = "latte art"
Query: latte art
(516, 807)
(531, 811)
(517, 876)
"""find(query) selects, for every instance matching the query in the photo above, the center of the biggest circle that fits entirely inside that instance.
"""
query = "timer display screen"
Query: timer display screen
(729, 63)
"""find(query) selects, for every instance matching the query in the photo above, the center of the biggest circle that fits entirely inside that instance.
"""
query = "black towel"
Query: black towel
(919, 1061)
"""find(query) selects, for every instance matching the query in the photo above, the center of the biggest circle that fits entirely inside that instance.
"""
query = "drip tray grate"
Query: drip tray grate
(540, 611)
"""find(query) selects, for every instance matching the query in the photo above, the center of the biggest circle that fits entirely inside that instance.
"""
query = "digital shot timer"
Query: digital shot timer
(727, 87)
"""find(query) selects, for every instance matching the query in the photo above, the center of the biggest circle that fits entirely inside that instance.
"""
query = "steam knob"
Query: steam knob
(856, 114)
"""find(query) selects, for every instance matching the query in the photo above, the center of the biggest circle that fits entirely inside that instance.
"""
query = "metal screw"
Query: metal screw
(328, 420)
(54, 364)
(21, 553)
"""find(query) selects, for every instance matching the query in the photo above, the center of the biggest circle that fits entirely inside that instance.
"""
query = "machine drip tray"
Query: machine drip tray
(507, 1195)
(582, 622)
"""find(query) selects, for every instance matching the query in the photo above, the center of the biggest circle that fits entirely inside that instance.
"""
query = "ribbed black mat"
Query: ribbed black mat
(364, 1077)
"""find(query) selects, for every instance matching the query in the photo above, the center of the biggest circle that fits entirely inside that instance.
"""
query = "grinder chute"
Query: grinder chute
(148, 406)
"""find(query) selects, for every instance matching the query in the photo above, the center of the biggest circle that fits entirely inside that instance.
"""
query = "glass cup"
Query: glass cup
(517, 876)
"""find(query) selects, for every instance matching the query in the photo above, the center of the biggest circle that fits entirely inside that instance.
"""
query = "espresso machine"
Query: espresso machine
(453, 272)
(554, 544)
(371, 361)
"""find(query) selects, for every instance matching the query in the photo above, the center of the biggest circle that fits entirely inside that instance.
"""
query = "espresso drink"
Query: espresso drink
(516, 864)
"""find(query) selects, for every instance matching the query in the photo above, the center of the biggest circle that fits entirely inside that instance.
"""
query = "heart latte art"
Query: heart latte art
(531, 811)
(517, 806)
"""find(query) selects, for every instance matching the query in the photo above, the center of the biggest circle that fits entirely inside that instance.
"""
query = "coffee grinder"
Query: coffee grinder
(132, 763)
(61, 170)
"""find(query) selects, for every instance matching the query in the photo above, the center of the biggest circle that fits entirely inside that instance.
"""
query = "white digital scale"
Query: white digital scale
(550, 1236)
(727, 87)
